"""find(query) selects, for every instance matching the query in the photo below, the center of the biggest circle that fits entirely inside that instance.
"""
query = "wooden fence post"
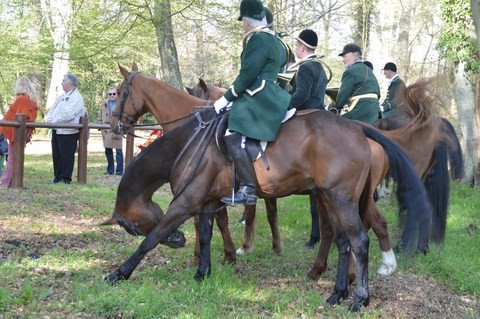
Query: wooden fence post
(129, 146)
(19, 151)
(82, 151)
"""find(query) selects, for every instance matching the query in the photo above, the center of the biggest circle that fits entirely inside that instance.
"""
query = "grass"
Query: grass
(53, 256)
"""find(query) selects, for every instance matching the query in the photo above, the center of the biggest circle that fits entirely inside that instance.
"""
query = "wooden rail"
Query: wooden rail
(20, 124)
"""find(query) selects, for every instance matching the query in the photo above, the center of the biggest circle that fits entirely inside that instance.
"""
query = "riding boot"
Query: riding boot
(243, 165)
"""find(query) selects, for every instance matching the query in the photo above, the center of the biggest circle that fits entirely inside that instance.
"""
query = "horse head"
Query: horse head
(129, 106)
(203, 91)
(143, 227)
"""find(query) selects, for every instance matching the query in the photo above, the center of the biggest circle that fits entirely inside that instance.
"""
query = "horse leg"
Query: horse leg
(161, 231)
(315, 231)
(272, 216)
(350, 234)
(249, 212)
(228, 247)
(378, 223)
(205, 237)
(326, 233)
(196, 251)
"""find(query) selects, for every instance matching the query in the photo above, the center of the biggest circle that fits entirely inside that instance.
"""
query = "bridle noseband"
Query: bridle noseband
(121, 114)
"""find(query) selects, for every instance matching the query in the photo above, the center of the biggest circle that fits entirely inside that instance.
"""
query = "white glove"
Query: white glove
(381, 107)
(220, 104)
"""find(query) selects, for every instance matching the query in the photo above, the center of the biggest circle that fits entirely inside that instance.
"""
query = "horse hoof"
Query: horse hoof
(336, 297)
(241, 252)
(358, 303)
(313, 274)
(113, 278)
(385, 271)
(229, 260)
(199, 277)
(311, 244)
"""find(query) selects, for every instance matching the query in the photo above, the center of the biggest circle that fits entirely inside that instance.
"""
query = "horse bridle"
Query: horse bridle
(121, 114)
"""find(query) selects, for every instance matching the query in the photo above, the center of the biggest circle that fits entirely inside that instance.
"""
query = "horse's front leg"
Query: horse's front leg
(315, 231)
(205, 237)
(160, 233)
(320, 264)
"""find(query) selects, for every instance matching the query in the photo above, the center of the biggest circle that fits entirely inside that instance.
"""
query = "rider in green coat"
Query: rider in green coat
(258, 103)
(359, 90)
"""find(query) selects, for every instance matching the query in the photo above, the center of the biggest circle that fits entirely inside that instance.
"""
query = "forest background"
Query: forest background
(182, 41)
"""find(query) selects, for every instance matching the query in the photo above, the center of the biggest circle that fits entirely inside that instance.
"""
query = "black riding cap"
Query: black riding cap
(351, 48)
(308, 38)
(252, 9)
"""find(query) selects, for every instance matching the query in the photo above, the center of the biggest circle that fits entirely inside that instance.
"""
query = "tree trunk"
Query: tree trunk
(57, 22)
(162, 20)
(466, 114)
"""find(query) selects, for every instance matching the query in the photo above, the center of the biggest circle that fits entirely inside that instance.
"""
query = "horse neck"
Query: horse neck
(168, 104)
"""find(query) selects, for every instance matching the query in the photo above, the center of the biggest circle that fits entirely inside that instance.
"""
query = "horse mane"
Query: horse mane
(419, 105)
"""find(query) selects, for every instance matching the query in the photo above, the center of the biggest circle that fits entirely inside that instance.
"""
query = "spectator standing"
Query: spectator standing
(111, 140)
(25, 103)
(68, 108)
(396, 90)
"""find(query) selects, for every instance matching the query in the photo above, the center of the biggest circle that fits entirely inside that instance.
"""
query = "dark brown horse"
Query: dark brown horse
(200, 175)
(149, 94)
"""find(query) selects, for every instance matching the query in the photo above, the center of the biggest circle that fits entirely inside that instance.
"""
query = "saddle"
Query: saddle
(255, 148)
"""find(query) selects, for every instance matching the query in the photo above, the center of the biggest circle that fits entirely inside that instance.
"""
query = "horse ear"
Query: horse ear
(189, 90)
(123, 71)
(219, 84)
(112, 221)
(134, 66)
(203, 85)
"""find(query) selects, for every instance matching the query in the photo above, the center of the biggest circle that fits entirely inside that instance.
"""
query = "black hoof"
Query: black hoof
(425, 250)
(358, 303)
(113, 278)
(336, 297)
(311, 243)
(199, 277)
(175, 240)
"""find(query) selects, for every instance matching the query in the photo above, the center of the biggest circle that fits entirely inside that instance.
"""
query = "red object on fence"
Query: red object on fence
(152, 137)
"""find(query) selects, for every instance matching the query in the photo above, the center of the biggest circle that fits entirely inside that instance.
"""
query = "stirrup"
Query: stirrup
(245, 196)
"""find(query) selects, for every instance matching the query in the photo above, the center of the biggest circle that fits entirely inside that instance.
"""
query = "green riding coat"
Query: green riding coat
(259, 103)
(358, 79)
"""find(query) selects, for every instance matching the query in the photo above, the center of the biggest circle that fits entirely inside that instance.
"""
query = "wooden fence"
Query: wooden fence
(21, 125)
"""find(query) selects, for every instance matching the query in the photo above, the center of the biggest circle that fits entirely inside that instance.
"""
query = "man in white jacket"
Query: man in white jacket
(68, 108)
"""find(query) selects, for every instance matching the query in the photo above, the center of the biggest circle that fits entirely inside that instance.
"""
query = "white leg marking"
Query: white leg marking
(389, 263)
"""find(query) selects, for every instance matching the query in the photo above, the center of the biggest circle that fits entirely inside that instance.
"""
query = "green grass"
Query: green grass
(53, 257)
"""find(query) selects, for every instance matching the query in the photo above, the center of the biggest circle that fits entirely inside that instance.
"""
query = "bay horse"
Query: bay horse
(167, 105)
(200, 175)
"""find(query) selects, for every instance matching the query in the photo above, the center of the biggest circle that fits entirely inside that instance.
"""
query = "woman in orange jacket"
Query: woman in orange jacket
(25, 103)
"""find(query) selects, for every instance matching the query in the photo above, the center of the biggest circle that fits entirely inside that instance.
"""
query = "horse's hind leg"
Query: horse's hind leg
(341, 283)
(272, 216)
(249, 231)
(379, 226)
(228, 247)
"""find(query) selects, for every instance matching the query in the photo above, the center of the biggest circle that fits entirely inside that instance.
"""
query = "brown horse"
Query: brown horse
(200, 175)
(154, 96)
(427, 139)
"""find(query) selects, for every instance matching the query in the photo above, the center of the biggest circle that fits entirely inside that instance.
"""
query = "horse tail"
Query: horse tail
(411, 193)
(437, 184)
(455, 154)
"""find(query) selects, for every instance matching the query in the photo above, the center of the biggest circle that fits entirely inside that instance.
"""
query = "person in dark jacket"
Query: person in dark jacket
(258, 104)
(359, 90)
(310, 79)
(396, 89)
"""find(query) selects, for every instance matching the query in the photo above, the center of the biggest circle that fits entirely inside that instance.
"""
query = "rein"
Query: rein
(209, 132)
(132, 227)
(132, 119)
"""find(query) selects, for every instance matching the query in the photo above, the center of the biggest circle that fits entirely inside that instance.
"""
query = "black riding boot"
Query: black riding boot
(243, 165)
